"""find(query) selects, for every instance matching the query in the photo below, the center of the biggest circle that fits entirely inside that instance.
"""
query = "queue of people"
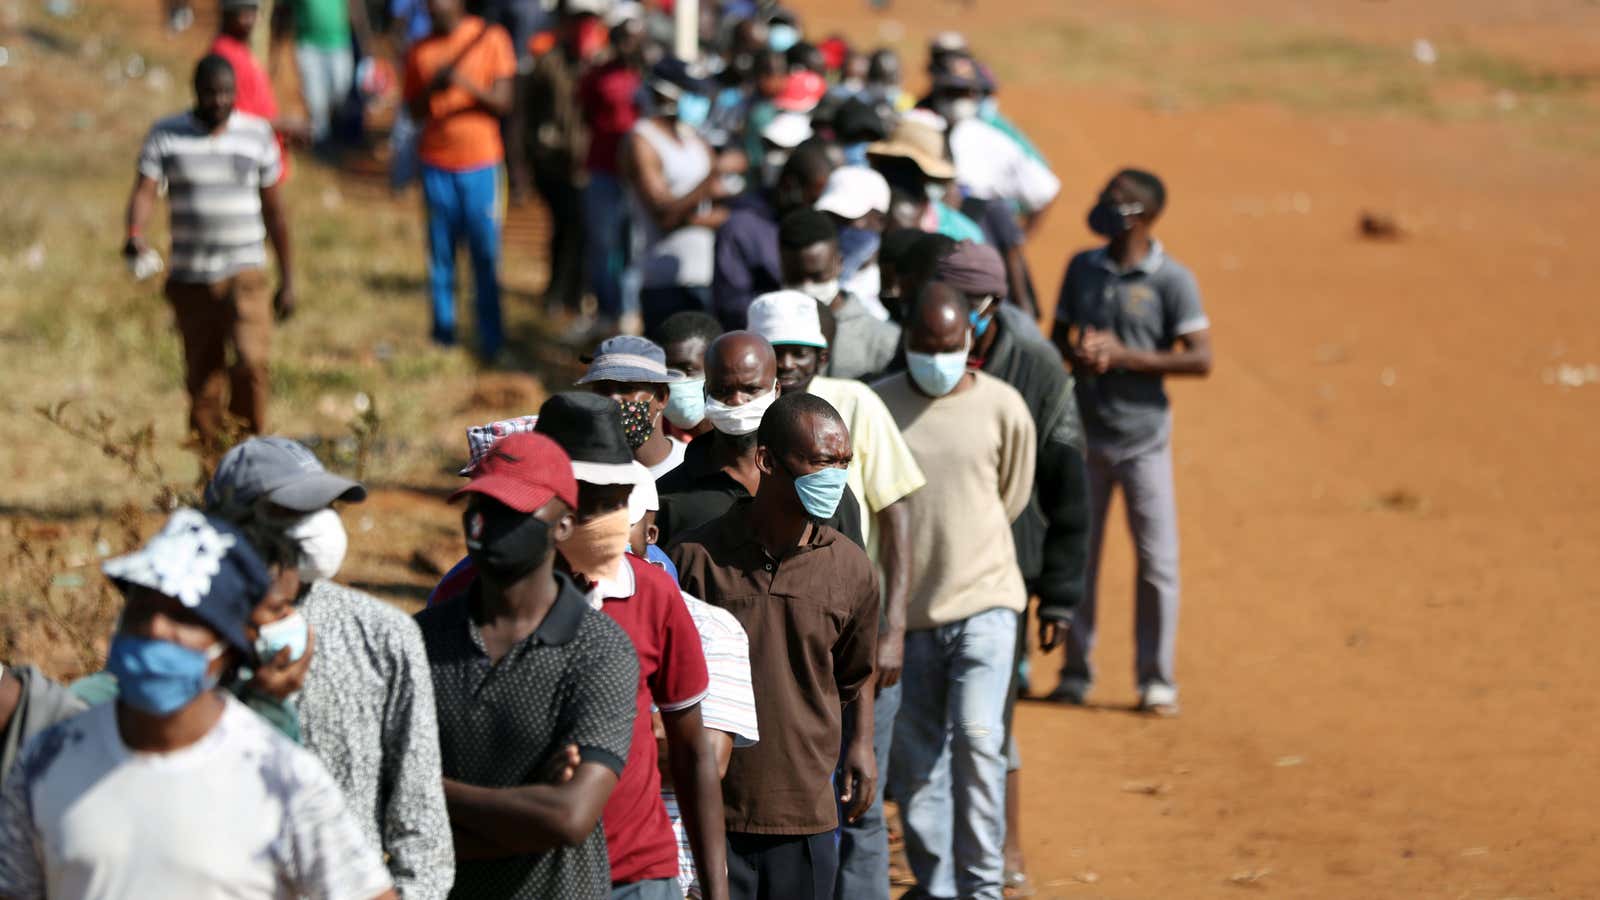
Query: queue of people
(753, 573)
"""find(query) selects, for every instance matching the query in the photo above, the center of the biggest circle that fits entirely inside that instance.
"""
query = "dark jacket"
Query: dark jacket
(1052, 534)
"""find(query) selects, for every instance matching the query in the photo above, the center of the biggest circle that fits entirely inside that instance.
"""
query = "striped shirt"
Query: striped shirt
(214, 184)
(729, 705)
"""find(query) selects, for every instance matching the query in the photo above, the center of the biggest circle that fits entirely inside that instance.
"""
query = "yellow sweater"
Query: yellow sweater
(976, 449)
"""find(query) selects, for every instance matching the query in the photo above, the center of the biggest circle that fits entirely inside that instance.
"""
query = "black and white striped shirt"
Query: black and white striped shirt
(214, 184)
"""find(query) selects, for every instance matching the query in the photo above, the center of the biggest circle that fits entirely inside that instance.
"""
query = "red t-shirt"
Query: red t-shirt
(606, 95)
(252, 91)
(672, 675)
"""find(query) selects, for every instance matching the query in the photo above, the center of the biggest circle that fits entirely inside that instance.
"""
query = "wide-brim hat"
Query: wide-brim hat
(919, 142)
(589, 428)
(632, 359)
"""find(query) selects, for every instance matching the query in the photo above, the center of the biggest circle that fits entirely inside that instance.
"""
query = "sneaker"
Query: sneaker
(1159, 700)
(1070, 692)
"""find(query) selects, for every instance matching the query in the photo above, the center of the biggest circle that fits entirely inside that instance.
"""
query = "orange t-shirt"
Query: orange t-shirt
(459, 134)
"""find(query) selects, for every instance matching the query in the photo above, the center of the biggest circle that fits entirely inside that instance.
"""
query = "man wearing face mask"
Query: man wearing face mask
(916, 163)
(808, 599)
(684, 338)
(989, 164)
(720, 467)
(973, 437)
(222, 170)
(678, 194)
(1130, 315)
(535, 690)
(857, 198)
(368, 657)
(812, 263)
(747, 244)
(176, 789)
(672, 669)
(882, 474)
(633, 372)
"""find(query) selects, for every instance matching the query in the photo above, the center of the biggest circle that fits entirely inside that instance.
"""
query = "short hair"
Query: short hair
(210, 66)
(896, 244)
(687, 325)
(804, 227)
(921, 260)
(781, 427)
(1151, 184)
(809, 163)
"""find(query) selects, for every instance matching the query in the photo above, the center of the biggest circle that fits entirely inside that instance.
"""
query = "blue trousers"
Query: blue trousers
(605, 226)
(948, 766)
(864, 843)
(465, 205)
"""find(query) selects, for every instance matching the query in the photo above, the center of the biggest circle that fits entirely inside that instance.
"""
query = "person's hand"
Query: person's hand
(295, 132)
(1102, 350)
(279, 677)
(860, 779)
(1052, 633)
(891, 658)
(732, 162)
(283, 302)
(562, 766)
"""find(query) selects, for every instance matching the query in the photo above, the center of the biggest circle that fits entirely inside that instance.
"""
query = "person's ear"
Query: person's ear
(764, 460)
(564, 527)
(822, 358)
(652, 534)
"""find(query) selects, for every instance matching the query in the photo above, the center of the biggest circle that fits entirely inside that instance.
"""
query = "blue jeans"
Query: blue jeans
(948, 767)
(325, 80)
(605, 226)
(864, 843)
(465, 204)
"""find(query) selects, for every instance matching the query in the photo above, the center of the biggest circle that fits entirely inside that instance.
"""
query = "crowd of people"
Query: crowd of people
(758, 569)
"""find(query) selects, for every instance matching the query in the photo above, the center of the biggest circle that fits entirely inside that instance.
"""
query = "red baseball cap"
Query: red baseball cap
(801, 92)
(523, 471)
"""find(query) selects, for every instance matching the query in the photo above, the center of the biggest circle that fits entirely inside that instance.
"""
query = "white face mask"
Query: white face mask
(961, 109)
(821, 291)
(323, 543)
(740, 420)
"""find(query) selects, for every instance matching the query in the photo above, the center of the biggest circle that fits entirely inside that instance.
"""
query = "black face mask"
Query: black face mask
(1109, 219)
(505, 544)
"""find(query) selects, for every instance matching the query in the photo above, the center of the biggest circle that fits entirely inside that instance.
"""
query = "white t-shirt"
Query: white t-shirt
(243, 813)
(674, 458)
(991, 166)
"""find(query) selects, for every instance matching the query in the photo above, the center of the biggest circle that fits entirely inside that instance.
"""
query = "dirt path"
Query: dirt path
(1387, 510)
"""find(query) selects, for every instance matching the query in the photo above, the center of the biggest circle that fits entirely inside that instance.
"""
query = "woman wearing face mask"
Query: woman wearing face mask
(678, 192)
(212, 801)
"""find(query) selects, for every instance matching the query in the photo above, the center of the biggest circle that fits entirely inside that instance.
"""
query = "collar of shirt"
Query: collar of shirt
(620, 586)
(1148, 266)
(700, 472)
(560, 624)
(739, 531)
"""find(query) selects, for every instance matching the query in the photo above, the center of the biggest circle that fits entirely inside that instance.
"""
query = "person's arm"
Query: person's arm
(1018, 457)
(277, 222)
(361, 27)
(642, 166)
(854, 659)
(534, 818)
(894, 555)
(698, 783)
(496, 99)
(141, 203)
(731, 279)
(860, 763)
(414, 824)
(1062, 486)
(1190, 354)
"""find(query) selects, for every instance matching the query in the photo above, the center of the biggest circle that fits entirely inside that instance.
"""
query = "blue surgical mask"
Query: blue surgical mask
(937, 373)
(855, 154)
(160, 677)
(781, 37)
(290, 631)
(858, 246)
(980, 319)
(693, 109)
(821, 491)
(686, 403)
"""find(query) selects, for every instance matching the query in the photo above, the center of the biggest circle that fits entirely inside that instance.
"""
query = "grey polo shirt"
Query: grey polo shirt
(575, 679)
(1148, 307)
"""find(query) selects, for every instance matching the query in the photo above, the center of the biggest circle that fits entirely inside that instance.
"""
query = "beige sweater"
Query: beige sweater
(976, 448)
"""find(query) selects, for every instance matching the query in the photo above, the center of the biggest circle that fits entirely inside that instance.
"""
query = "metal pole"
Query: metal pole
(686, 29)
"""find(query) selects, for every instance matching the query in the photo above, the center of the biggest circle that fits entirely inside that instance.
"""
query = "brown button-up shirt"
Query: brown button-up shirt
(812, 618)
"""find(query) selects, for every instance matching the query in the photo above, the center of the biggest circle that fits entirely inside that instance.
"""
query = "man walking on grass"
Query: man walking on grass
(1129, 315)
(222, 169)
(458, 85)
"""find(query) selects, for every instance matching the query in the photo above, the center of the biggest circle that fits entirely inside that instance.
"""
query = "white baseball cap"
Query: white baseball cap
(643, 499)
(787, 317)
(854, 191)
(787, 130)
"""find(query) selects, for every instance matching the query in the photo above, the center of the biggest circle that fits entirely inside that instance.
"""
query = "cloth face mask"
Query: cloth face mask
(505, 544)
(596, 546)
(160, 677)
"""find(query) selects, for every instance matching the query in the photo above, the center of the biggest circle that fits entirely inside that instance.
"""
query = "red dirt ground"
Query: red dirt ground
(1388, 514)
